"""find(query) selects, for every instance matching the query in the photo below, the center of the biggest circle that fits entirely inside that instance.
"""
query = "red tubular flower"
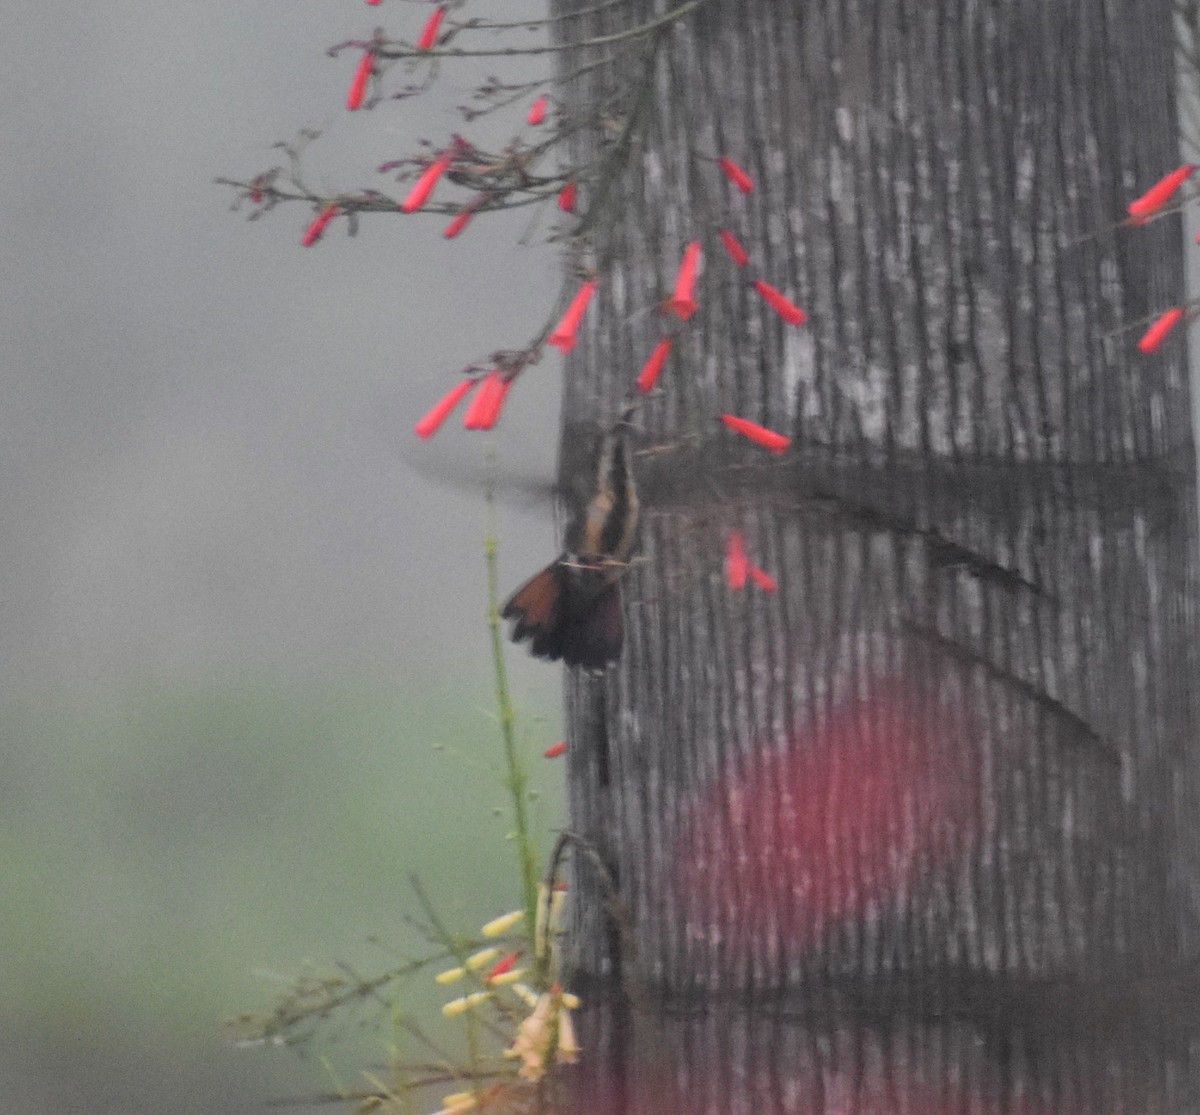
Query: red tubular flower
(768, 439)
(465, 216)
(504, 964)
(537, 111)
(565, 336)
(737, 565)
(566, 198)
(763, 579)
(1143, 208)
(463, 219)
(682, 302)
(316, 230)
(424, 185)
(485, 408)
(358, 86)
(429, 33)
(373, 3)
(784, 307)
(555, 751)
(734, 247)
(441, 410)
(736, 175)
(1153, 338)
(654, 366)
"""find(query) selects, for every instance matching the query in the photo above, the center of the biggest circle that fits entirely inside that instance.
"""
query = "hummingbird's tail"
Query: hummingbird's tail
(564, 616)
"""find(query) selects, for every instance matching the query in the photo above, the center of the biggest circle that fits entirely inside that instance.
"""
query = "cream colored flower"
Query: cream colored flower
(534, 1037)
(548, 1027)
(548, 924)
(568, 1047)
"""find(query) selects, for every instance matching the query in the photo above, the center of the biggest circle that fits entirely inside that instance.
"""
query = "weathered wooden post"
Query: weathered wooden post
(954, 758)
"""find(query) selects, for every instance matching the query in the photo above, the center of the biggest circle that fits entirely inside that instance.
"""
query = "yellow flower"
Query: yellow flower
(463, 1004)
(459, 1101)
(450, 975)
(481, 959)
(457, 1109)
(497, 927)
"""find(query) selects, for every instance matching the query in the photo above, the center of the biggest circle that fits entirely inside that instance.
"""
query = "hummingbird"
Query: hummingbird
(572, 608)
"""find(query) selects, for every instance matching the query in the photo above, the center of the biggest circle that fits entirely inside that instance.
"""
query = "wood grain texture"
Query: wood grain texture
(985, 541)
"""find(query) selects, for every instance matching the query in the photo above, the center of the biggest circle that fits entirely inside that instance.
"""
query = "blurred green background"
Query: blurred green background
(173, 859)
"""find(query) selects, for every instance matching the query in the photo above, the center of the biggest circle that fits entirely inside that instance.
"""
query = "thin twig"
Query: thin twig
(481, 25)
(620, 149)
(629, 34)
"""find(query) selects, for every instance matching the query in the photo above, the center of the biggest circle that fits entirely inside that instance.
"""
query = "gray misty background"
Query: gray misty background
(246, 687)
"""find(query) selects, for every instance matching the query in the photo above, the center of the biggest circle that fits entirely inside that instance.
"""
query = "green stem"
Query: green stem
(517, 780)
